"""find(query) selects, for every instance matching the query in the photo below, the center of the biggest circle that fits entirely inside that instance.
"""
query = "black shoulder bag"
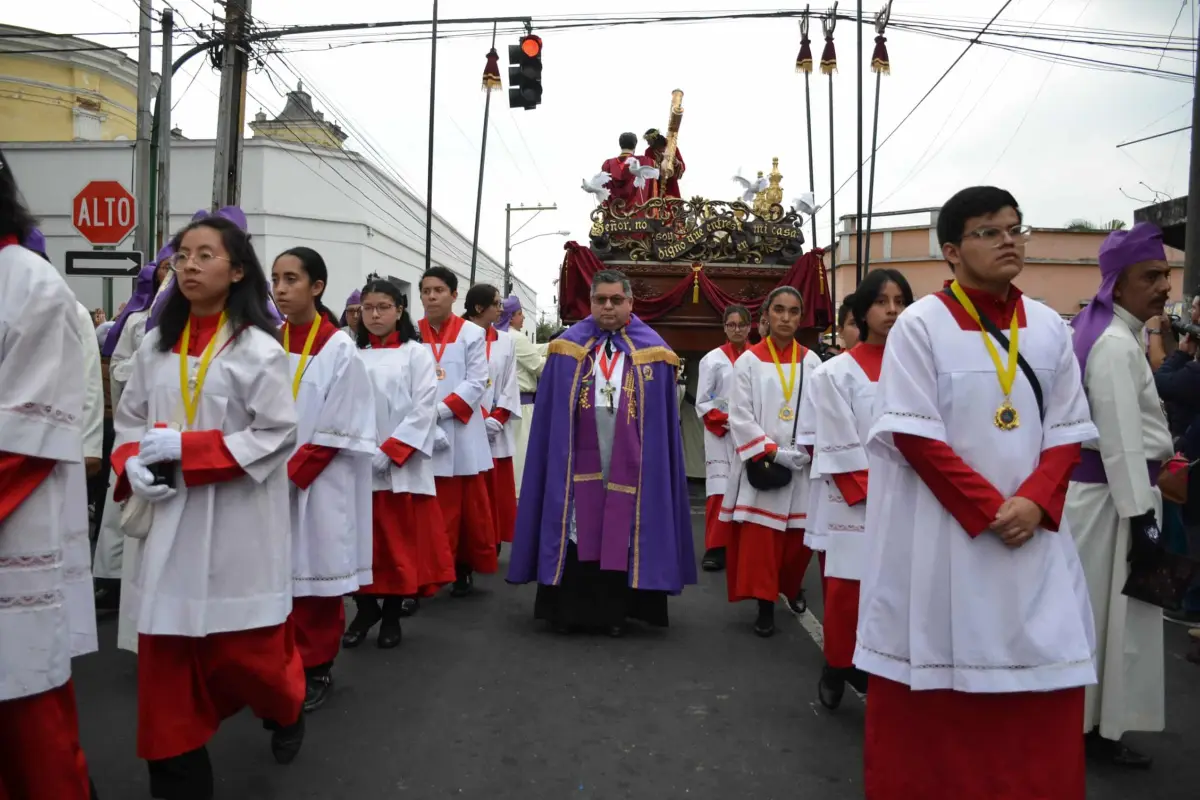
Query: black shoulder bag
(764, 474)
(999, 336)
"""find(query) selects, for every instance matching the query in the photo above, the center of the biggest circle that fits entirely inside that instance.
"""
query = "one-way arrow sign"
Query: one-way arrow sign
(104, 263)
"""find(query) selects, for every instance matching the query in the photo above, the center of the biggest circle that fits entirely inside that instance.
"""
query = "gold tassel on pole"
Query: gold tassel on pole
(696, 281)
(804, 61)
(491, 71)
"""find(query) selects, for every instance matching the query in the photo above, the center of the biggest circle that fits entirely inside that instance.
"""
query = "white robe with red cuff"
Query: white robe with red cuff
(331, 519)
(714, 386)
(819, 485)
(502, 393)
(218, 556)
(464, 363)
(404, 387)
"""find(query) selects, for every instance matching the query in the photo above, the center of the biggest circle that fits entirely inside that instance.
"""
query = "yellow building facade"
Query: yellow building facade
(56, 89)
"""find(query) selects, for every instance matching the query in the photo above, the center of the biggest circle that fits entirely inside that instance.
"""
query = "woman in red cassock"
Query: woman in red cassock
(204, 430)
(411, 552)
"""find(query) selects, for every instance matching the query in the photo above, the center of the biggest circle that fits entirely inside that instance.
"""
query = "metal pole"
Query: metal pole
(833, 237)
(429, 182)
(507, 235)
(858, 217)
(812, 184)
(231, 113)
(141, 148)
(1191, 253)
(163, 118)
(487, 107)
(871, 180)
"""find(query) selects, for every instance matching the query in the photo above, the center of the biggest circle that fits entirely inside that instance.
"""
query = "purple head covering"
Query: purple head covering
(143, 295)
(1120, 250)
(36, 242)
(354, 299)
(508, 309)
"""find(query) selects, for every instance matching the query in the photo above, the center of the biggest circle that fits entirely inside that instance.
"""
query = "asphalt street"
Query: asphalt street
(482, 702)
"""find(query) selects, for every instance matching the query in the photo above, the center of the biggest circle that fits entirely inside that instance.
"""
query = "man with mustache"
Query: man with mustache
(1113, 495)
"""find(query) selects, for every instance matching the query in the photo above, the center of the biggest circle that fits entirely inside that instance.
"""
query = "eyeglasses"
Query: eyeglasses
(995, 237)
(614, 301)
(380, 309)
(197, 262)
(737, 326)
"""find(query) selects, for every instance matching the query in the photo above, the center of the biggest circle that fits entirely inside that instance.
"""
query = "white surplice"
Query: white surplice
(502, 392)
(530, 363)
(120, 363)
(93, 404)
(819, 486)
(843, 397)
(218, 557)
(464, 362)
(754, 423)
(1126, 410)
(938, 609)
(714, 387)
(332, 545)
(41, 413)
(405, 387)
(77, 545)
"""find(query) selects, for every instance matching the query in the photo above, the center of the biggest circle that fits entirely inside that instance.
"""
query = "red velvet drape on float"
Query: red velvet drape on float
(807, 275)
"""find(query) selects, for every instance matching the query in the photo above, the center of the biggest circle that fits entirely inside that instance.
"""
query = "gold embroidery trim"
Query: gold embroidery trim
(650, 355)
(560, 347)
(623, 489)
(589, 476)
(562, 542)
(637, 503)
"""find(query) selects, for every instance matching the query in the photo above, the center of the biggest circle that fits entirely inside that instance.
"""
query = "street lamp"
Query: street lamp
(508, 249)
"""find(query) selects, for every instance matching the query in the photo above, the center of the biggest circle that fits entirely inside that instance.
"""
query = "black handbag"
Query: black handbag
(764, 474)
(1156, 575)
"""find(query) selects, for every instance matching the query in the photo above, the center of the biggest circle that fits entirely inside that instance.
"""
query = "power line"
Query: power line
(1155, 136)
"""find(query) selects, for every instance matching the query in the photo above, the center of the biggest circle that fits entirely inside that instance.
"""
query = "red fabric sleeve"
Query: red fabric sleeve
(717, 422)
(501, 415)
(1047, 486)
(962, 491)
(20, 475)
(768, 450)
(459, 407)
(397, 451)
(120, 455)
(852, 485)
(308, 462)
(207, 460)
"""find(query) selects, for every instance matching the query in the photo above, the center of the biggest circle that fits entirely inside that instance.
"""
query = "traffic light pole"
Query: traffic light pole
(429, 182)
(142, 165)
(231, 112)
(487, 107)
(508, 209)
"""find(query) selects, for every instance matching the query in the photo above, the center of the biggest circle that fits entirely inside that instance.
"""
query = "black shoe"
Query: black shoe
(714, 560)
(317, 691)
(1115, 753)
(390, 635)
(464, 585)
(858, 679)
(764, 625)
(831, 687)
(108, 595)
(366, 618)
(286, 741)
(409, 606)
(616, 631)
(798, 605)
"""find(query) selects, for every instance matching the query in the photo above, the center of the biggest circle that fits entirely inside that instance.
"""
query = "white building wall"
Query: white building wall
(357, 218)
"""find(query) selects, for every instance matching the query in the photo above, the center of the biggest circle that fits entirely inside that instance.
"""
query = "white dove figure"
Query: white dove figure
(751, 187)
(805, 204)
(640, 172)
(597, 186)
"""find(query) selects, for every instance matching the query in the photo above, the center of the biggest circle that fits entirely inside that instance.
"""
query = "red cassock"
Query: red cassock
(761, 563)
(948, 745)
(657, 188)
(716, 533)
(187, 685)
(40, 754)
(502, 493)
(621, 186)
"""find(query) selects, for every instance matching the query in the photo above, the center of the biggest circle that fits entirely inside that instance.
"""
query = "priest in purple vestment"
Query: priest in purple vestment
(604, 522)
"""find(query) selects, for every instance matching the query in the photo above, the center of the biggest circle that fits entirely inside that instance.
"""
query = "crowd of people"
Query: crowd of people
(979, 481)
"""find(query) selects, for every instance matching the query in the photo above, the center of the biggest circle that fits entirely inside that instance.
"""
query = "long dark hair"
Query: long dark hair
(248, 298)
(15, 219)
(314, 266)
(481, 294)
(404, 326)
(868, 292)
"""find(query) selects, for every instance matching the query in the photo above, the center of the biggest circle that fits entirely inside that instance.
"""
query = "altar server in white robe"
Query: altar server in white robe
(501, 407)
(204, 431)
(41, 505)
(77, 545)
(530, 358)
(1114, 488)
(330, 470)
(843, 395)
(460, 354)
(974, 620)
(714, 386)
(766, 554)
(411, 555)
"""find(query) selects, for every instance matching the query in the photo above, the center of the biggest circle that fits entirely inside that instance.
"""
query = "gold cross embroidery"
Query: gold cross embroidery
(629, 401)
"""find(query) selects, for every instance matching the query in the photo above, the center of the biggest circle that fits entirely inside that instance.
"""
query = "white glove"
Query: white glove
(793, 459)
(440, 442)
(493, 427)
(141, 480)
(381, 462)
(444, 412)
(159, 445)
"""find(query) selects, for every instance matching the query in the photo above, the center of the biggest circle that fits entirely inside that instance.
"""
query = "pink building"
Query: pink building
(1060, 265)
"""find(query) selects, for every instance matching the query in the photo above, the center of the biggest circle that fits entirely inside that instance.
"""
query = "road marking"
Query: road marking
(812, 626)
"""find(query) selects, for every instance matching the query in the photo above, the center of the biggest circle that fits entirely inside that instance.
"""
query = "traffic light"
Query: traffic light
(525, 73)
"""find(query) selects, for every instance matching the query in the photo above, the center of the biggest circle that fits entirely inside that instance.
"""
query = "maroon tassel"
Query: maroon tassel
(829, 57)
(804, 61)
(491, 71)
(879, 59)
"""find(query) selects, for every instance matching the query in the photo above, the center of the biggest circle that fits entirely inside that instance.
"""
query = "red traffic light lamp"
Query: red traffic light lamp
(531, 46)
(525, 73)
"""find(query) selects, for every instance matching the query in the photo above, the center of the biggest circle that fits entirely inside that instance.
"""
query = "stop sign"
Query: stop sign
(104, 212)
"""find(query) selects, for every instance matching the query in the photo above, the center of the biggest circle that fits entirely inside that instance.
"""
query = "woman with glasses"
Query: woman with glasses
(204, 430)
(411, 555)
(713, 388)
(330, 470)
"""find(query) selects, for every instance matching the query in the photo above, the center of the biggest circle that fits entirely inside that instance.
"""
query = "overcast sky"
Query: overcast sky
(1046, 132)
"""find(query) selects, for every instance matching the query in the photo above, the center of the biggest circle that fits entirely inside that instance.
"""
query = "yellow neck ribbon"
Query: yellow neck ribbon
(308, 346)
(1006, 374)
(790, 383)
(191, 400)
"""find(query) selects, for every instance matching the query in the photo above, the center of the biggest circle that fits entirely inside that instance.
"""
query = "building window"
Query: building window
(87, 125)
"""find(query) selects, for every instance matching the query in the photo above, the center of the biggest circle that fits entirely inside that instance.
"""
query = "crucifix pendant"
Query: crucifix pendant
(608, 391)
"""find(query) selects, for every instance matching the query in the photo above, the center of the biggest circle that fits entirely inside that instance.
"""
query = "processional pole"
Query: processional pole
(491, 80)
(829, 66)
(804, 64)
(880, 66)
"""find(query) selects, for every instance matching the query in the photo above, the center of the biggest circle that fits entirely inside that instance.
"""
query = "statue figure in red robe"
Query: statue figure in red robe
(621, 186)
(655, 150)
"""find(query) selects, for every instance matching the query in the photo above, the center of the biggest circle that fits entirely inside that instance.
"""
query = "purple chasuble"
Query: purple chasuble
(637, 521)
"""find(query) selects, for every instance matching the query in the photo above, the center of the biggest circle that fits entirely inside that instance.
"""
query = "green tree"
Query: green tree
(1115, 225)
(1080, 225)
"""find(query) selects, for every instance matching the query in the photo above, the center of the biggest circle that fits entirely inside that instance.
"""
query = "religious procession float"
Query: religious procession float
(689, 259)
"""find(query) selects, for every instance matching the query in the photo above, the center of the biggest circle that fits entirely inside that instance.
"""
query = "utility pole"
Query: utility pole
(860, 65)
(429, 182)
(508, 210)
(487, 107)
(164, 139)
(1191, 252)
(231, 114)
(141, 147)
